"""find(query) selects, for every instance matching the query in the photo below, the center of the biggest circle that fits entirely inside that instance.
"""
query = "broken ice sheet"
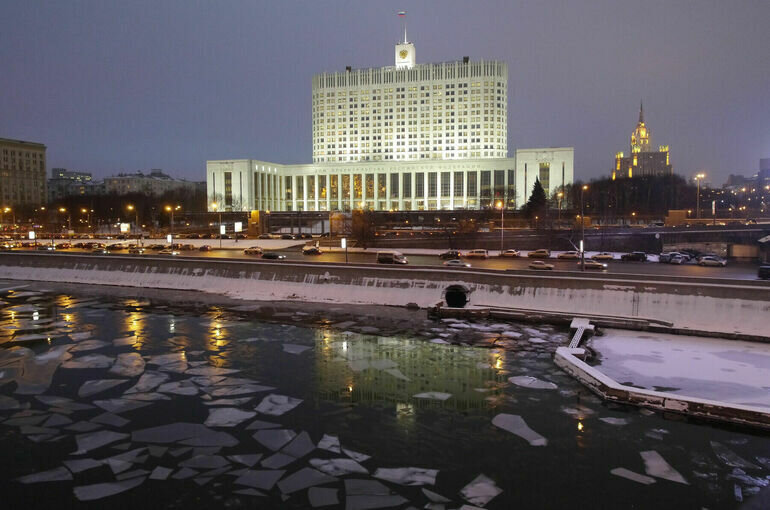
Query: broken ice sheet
(277, 405)
(248, 460)
(231, 391)
(179, 388)
(160, 473)
(88, 345)
(304, 478)
(277, 461)
(358, 457)
(260, 479)
(94, 440)
(435, 497)
(259, 425)
(407, 476)
(299, 446)
(97, 386)
(295, 349)
(338, 467)
(655, 465)
(614, 421)
(274, 439)
(227, 401)
(110, 419)
(515, 424)
(329, 443)
(129, 364)
(120, 405)
(79, 465)
(211, 371)
(190, 434)
(54, 475)
(103, 490)
(148, 382)
(205, 462)
(89, 361)
(433, 395)
(731, 458)
(480, 491)
(526, 381)
(630, 475)
(319, 496)
(227, 417)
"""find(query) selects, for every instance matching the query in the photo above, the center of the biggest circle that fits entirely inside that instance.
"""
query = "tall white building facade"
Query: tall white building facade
(407, 137)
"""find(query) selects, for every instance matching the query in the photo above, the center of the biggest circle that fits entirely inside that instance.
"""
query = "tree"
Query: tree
(362, 228)
(536, 204)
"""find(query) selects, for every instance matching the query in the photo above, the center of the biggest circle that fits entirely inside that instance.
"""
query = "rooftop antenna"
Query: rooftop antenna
(402, 15)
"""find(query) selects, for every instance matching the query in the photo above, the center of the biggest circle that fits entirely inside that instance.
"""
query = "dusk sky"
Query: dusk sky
(114, 86)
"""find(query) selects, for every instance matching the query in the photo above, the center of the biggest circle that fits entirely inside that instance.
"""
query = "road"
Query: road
(733, 270)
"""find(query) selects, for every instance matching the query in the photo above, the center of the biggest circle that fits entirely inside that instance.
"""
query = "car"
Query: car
(253, 250)
(539, 254)
(605, 255)
(46, 247)
(288, 236)
(634, 256)
(264, 236)
(271, 255)
(312, 250)
(509, 253)
(477, 254)
(63, 246)
(168, 251)
(569, 255)
(665, 257)
(710, 260)
(136, 251)
(193, 236)
(593, 264)
(6, 247)
(456, 263)
(100, 251)
(391, 257)
(677, 260)
(539, 264)
(305, 235)
(450, 254)
(763, 272)
(241, 236)
(205, 247)
(324, 235)
(156, 247)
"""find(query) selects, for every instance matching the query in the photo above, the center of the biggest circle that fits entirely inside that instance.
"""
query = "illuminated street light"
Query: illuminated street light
(582, 230)
(502, 223)
(698, 178)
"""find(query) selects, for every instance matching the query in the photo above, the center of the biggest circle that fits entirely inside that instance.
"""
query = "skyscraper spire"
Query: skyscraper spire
(641, 112)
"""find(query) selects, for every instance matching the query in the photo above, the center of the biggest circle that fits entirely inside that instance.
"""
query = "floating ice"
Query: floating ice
(322, 497)
(655, 465)
(63, 403)
(58, 474)
(731, 458)
(614, 421)
(230, 391)
(172, 362)
(363, 494)
(83, 426)
(433, 395)
(57, 420)
(358, 457)
(480, 491)
(227, 401)
(88, 345)
(227, 417)
(329, 443)
(338, 467)
(160, 473)
(295, 349)
(120, 405)
(276, 405)
(302, 479)
(129, 364)
(274, 439)
(260, 479)
(630, 475)
(79, 465)
(526, 381)
(211, 371)
(184, 474)
(299, 446)
(515, 424)
(407, 476)
(8, 403)
(146, 397)
(205, 462)
(259, 425)
(93, 440)
(434, 497)
(191, 434)
(89, 361)
(148, 381)
(97, 386)
(179, 388)
(125, 341)
(277, 461)
(247, 460)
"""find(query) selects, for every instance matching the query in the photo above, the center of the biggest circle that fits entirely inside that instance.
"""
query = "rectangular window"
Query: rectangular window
(381, 186)
(511, 197)
(228, 189)
(322, 187)
(419, 185)
(545, 176)
(393, 185)
(357, 186)
(499, 184)
(311, 187)
(473, 190)
(300, 187)
(334, 185)
(346, 192)
(459, 184)
(407, 183)
(369, 179)
(432, 183)
(444, 184)
(486, 185)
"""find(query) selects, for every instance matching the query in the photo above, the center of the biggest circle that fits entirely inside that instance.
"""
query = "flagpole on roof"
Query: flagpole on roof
(402, 15)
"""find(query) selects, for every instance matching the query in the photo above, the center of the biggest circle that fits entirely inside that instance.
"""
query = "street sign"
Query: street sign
(124, 227)
(343, 243)
(31, 235)
(221, 230)
(238, 226)
(168, 238)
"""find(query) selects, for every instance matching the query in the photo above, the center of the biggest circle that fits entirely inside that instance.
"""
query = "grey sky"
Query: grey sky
(138, 84)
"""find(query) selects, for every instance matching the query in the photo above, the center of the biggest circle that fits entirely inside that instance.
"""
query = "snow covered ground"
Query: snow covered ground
(711, 368)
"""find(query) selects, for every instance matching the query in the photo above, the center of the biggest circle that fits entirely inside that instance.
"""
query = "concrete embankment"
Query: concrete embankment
(698, 304)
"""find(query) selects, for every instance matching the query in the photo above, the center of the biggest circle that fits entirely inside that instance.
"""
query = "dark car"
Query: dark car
(241, 236)
(634, 256)
(46, 247)
(264, 236)
(305, 236)
(287, 236)
(271, 255)
(193, 236)
(450, 254)
(764, 272)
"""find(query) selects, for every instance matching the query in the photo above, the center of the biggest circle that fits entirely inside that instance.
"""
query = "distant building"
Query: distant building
(155, 183)
(643, 160)
(22, 173)
(64, 183)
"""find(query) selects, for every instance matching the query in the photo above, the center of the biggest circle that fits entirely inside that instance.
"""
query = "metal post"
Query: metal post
(502, 225)
(697, 200)
(582, 232)
(220, 230)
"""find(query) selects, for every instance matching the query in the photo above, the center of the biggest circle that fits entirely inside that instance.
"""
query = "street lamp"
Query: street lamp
(502, 224)
(559, 196)
(69, 218)
(171, 209)
(582, 230)
(7, 210)
(698, 178)
(131, 207)
(215, 206)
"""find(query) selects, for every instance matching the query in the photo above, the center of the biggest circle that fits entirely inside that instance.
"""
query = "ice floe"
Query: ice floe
(148, 382)
(260, 479)
(274, 439)
(319, 496)
(515, 424)
(730, 458)
(407, 476)
(630, 475)
(93, 440)
(103, 490)
(89, 361)
(527, 381)
(295, 349)
(338, 467)
(329, 443)
(614, 421)
(655, 465)
(433, 395)
(227, 417)
(276, 405)
(129, 364)
(480, 491)
(95, 386)
(58, 474)
(190, 434)
(304, 478)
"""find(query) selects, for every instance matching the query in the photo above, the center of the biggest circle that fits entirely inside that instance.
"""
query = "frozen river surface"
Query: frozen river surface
(136, 404)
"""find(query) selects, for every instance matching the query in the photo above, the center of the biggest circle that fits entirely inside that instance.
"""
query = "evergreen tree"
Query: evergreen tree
(535, 206)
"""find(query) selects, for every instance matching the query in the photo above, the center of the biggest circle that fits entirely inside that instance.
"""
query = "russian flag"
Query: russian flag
(401, 14)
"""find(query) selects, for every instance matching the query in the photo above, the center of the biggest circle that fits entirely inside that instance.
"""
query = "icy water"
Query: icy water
(132, 404)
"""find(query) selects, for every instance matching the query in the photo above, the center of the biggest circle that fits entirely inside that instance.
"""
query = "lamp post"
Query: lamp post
(69, 218)
(697, 200)
(215, 206)
(7, 210)
(502, 223)
(171, 209)
(132, 207)
(582, 230)
(559, 196)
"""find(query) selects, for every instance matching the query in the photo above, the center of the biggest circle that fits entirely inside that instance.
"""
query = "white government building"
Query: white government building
(407, 137)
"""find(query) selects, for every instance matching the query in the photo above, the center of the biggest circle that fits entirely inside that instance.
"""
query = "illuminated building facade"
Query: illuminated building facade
(643, 160)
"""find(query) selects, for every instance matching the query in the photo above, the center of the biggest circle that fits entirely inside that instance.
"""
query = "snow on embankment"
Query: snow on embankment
(700, 306)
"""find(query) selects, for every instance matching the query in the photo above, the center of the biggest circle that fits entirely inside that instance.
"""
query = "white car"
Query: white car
(477, 254)
(593, 264)
(168, 251)
(510, 253)
(677, 260)
(456, 263)
(539, 264)
(603, 256)
(710, 260)
(569, 255)
(254, 250)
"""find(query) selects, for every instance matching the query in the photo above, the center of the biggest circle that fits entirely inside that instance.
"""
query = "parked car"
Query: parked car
(305, 235)
(253, 250)
(136, 251)
(450, 254)
(710, 260)
(477, 254)
(193, 236)
(509, 253)
(117, 246)
(6, 246)
(168, 251)
(271, 255)
(634, 256)
(63, 246)
(312, 250)
(539, 254)
(763, 272)
(539, 264)
(46, 247)
(677, 260)
(569, 255)
(593, 264)
(264, 236)
(205, 247)
(187, 247)
(604, 256)
(391, 257)
(456, 263)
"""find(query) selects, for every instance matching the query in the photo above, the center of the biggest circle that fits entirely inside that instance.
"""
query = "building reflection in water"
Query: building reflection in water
(367, 369)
